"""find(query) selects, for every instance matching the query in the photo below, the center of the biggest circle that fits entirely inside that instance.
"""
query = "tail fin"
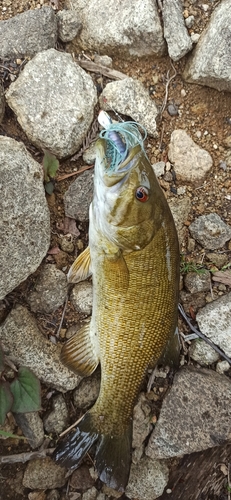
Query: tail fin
(113, 459)
(73, 447)
(113, 454)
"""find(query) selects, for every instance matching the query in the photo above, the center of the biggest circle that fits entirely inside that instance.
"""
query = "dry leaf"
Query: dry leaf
(223, 277)
(53, 251)
(69, 226)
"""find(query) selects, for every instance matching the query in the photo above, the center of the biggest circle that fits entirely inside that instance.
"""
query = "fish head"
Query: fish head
(126, 199)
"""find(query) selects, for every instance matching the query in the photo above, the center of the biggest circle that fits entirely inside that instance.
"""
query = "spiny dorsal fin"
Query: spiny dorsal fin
(80, 269)
(80, 353)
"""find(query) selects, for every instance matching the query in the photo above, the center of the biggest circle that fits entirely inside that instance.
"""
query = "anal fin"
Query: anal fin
(81, 267)
(80, 352)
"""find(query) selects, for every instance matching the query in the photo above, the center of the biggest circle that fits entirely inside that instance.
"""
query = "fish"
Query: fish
(133, 256)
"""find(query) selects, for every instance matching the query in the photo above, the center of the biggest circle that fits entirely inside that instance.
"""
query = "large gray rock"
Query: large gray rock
(175, 32)
(53, 99)
(25, 344)
(201, 400)
(210, 63)
(147, 479)
(191, 163)
(28, 33)
(210, 231)
(50, 290)
(24, 215)
(130, 97)
(132, 28)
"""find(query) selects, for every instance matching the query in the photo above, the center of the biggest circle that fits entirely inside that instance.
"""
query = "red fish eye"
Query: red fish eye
(142, 193)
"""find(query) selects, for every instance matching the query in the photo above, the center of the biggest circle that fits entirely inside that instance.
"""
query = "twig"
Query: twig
(71, 427)
(166, 89)
(104, 70)
(7, 69)
(65, 176)
(61, 321)
(202, 336)
(25, 457)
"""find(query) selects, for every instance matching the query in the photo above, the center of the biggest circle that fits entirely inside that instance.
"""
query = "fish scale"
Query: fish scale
(133, 256)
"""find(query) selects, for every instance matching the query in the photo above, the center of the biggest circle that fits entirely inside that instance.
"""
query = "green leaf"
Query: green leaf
(50, 165)
(1, 359)
(26, 391)
(49, 187)
(10, 435)
(6, 400)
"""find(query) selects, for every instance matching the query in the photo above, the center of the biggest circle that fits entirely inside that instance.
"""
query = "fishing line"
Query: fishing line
(120, 138)
(202, 336)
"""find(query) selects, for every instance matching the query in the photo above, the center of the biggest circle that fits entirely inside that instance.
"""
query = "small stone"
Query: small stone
(195, 37)
(78, 197)
(227, 142)
(222, 367)
(190, 21)
(181, 190)
(53, 495)
(87, 392)
(32, 427)
(172, 109)
(183, 93)
(147, 479)
(57, 420)
(50, 290)
(175, 32)
(205, 7)
(66, 244)
(81, 479)
(198, 134)
(159, 168)
(202, 353)
(130, 97)
(218, 259)
(191, 245)
(191, 162)
(82, 297)
(197, 282)
(210, 231)
(90, 494)
(103, 60)
(90, 154)
(110, 492)
(44, 473)
(69, 25)
(214, 322)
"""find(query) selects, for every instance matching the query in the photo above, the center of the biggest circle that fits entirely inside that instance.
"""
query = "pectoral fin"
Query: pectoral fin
(81, 268)
(116, 267)
(80, 352)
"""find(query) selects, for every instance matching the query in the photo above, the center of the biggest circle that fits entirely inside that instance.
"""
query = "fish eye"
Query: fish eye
(142, 193)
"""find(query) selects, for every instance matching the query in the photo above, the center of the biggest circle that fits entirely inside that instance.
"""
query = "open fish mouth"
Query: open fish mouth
(118, 140)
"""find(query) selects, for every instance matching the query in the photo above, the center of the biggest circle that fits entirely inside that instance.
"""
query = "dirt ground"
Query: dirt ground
(200, 110)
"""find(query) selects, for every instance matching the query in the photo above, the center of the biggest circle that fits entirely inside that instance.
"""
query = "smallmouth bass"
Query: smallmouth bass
(133, 256)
